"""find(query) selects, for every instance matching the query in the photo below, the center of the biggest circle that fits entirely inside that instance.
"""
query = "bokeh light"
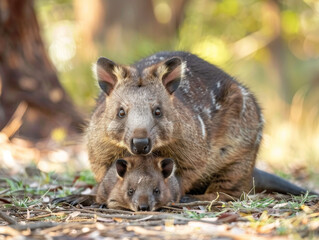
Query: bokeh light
(62, 47)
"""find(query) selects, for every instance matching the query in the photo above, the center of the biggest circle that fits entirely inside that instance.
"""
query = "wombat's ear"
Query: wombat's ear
(121, 167)
(174, 71)
(167, 166)
(105, 74)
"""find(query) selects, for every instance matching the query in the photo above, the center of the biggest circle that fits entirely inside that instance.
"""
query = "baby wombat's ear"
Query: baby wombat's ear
(107, 74)
(167, 167)
(173, 74)
(121, 167)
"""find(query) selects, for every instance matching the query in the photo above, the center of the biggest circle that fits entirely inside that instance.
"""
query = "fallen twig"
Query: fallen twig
(7, 218)
(89, 209)
(193, 204)
(33, 226)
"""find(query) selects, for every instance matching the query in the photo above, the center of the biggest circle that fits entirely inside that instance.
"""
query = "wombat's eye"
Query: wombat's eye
(130, 192)
(121, 113)
(156, 191)
(157, 112)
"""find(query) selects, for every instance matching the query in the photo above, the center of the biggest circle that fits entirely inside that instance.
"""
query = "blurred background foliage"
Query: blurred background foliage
(270, 46)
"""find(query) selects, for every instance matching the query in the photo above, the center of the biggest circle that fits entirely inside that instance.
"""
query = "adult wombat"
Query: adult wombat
(177, 105)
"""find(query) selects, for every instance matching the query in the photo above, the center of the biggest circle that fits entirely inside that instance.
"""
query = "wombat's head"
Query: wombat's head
(144, 184)
(139, 113)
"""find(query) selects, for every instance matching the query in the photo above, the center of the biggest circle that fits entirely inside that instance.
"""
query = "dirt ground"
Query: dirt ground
(32, 175)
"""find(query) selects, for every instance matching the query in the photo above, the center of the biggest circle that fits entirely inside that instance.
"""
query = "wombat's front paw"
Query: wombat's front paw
(188, 199)
(74, 199)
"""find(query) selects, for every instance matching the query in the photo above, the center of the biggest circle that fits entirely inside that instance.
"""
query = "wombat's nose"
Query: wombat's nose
(141, 145)
(143, 207)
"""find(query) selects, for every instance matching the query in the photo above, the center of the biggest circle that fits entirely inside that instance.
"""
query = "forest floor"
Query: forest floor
(30, 178)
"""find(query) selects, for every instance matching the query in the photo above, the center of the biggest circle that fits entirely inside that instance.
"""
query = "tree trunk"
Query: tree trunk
(117, 24)
(276, 50)
(27, 77)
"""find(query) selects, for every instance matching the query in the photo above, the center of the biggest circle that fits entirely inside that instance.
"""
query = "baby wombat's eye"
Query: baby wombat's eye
(121, 113)
(130, 192)
(156, 191)
(157, 112)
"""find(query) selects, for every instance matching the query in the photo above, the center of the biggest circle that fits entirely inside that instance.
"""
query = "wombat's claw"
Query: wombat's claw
(188, 199)
(67, 199)
(102, 206)
(75, 202)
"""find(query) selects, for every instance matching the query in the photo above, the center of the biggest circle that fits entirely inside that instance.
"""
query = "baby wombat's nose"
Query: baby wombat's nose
(141, 145)
(143, 207)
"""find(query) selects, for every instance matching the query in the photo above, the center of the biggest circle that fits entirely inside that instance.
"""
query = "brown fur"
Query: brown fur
(142, 175)
(210, 125)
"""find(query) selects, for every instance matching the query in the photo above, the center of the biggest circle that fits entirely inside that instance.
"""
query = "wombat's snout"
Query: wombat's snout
(141, 145)
(143, 207)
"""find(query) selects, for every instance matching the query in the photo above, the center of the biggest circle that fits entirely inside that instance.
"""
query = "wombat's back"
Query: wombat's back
(178, 105)
(219, 129)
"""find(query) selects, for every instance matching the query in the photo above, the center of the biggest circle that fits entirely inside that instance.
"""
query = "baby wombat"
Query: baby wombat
(139, 183)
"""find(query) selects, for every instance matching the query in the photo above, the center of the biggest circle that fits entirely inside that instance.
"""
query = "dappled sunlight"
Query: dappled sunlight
(213, 50)
(290, 143)
(163, 12)
(316, 143)
(48, 155)
(63, 46)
